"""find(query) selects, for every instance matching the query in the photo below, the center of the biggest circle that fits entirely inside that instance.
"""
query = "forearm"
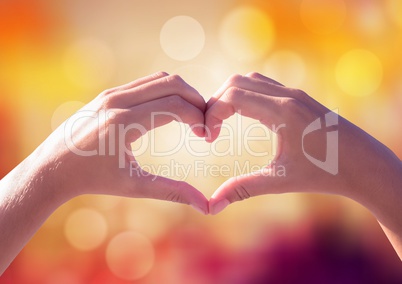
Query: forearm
(27, 199)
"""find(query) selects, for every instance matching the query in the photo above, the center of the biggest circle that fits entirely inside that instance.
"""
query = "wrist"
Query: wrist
(42, 173)
(27, 198)
(377, 182)
(369, 170)
(386, 189)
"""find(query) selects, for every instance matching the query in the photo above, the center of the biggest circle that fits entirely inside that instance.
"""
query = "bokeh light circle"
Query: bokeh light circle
(130, 255)
(64, 111)
(247, 34)
(286, 67)
(89, 63)
(85, 229)
(358, 72)
(322, 17)
(182, 38)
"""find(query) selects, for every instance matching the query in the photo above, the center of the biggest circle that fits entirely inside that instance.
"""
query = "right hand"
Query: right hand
(125, 113)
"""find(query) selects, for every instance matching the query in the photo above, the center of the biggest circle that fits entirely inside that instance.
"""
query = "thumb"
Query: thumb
(242, 187)
(158, 187)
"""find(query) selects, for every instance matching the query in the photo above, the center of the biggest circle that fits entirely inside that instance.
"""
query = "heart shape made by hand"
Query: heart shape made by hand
(173, 151)
(289, 113)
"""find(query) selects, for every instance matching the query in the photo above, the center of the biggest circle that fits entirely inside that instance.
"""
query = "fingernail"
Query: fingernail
(199, 209)
(219, 206)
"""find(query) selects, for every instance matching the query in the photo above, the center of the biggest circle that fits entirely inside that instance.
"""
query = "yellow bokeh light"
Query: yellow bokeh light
(182, 38)
(395, 11)
(286, 67)
(85, 229)
(322, 17)
(130, 255)
(247, 34)
(359, 72)
(89, 63)
(64, 111)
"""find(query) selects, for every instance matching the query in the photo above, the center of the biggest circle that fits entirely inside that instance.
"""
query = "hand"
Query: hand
(92, 149)
(90, 154)
(357, 165)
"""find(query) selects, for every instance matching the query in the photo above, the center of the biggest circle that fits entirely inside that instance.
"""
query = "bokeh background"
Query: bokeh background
(56, 56)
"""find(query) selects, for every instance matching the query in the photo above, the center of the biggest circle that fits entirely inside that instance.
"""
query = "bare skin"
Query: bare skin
(53, 174)
(90, 154)
(366, 170)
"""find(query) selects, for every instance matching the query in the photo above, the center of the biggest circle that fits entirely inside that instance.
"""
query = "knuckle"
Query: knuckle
(175, 80)
(294, 107)
(234, 79)
(108, 102)
(160, 74)
(253, 75)
(299, 94)
(173, 196)
(232, 93)
(176, 195)
(107, 92)
(241, 193)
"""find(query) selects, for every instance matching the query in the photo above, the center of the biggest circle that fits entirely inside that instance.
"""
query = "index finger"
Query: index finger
(159, 88)
(258, 106)
(253, 82)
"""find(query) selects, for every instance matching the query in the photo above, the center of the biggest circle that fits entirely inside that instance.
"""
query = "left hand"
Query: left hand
(320, 151)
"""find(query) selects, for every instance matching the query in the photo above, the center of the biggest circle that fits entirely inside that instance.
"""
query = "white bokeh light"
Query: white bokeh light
(182, 38)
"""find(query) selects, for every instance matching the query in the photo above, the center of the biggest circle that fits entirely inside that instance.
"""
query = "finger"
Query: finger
(162, 111)
(266, 109)
(162, 87)
(253, 82)
(137, 82)
(226, 85)
(243, 187)
(158, 187)
(258, 83)
(292, 93)
(261, 77)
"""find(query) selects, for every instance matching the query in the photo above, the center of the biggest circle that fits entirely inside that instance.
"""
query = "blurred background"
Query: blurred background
(55, 56)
